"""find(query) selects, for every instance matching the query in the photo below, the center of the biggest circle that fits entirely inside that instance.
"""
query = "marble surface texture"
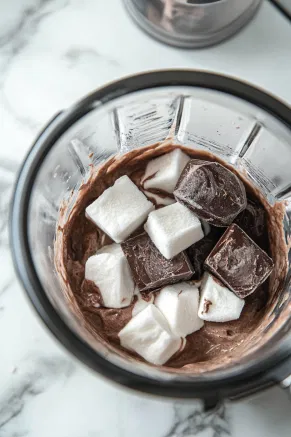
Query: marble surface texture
(52, 52)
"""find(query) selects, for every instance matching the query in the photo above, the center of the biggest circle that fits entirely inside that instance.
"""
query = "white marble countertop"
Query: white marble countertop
(52, 52)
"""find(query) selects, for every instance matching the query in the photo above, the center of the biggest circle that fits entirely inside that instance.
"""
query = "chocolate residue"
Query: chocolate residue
(206, 305)
(216, 345)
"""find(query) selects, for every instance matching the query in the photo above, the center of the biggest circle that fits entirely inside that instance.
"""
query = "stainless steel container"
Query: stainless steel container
(191, 23)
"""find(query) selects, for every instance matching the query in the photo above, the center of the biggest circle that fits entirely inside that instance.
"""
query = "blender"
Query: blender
(249, 129)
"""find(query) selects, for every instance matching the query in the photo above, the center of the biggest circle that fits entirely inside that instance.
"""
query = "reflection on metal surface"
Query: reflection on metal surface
(190, 23)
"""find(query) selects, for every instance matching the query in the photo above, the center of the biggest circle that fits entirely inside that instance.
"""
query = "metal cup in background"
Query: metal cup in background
(191, 23)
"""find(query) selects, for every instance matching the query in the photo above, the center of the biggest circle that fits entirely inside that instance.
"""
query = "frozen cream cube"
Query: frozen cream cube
(110, 272)
(163, 172)
(149, 335)
(173, 228)
(218, 303)
(179, 304)
(120, 209)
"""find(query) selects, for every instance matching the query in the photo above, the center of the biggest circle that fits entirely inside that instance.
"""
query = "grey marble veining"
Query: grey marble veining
(198, 422)
(31, 383)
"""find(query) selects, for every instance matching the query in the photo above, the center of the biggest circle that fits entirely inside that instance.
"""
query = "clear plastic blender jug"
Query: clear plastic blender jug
(244, 126)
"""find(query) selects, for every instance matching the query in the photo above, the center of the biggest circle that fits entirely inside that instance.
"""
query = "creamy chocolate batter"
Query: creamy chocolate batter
(77, 239)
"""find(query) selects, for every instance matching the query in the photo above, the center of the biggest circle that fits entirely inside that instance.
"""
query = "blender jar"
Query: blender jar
(247, 128)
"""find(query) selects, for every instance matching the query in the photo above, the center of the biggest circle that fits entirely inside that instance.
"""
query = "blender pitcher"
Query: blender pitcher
(247, 128)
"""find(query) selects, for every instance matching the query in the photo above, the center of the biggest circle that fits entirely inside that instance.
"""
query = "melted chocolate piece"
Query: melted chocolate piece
(238, 262)
(199, 251)
(253, 221)
(213, 192)
(150, 270)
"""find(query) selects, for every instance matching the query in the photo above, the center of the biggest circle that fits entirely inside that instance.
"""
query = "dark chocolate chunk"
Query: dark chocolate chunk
(239, 262)
(149, 268)
(211, 191)
(253, 221)
(200, 250)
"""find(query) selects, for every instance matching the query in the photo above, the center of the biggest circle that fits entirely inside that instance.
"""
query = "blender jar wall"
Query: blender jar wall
(199, 118)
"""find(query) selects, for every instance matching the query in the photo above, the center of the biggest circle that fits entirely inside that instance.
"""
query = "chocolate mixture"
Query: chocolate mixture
(78, 239)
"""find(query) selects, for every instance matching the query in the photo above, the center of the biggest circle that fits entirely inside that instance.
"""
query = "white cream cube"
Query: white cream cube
(120, 209)
(110, 272)
(163, 172)
(179, 304)
(217, 302)
(173, 228)
(149, 335)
